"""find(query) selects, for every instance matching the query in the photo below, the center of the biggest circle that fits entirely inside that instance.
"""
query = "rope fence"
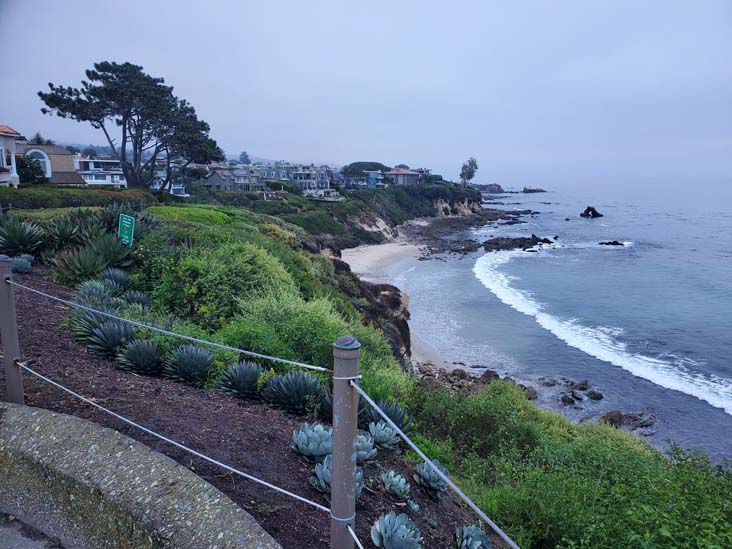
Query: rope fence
(178, 445)
(345, 377)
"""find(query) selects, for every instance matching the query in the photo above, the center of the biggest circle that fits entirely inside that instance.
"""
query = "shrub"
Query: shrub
(106, 339)
(395, 532)
(118, 276)
(313, 442)
(79, 265)
(394, 411)
(21, 263)
(425, 476)
(242, 379)
(135, 297)
(323, 476)
(111, 250)
(19, 237)
(293, 391)
(189, 364)
(142, 357)
(62, 232)
(206, 285)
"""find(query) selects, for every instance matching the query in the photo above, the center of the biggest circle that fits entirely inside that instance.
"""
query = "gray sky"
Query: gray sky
(537, 89)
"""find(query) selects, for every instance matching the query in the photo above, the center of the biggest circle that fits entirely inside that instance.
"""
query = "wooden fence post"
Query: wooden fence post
(346, 353)
(9, 334)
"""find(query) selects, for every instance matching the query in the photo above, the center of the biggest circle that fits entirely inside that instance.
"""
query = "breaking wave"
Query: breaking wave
(602, 342)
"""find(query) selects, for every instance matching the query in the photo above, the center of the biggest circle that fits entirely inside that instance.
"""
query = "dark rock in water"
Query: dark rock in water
(566, 219)
(549, 382)
(556, 237)
(631, 421)
(566, 399)
(581, 385)
(595, 395)
(491, 188)
(532, 190)
(575, 395)
(531, 393)
(459, 373)
(505, 243)
(489, 376)
(591, 212)
(611, 243)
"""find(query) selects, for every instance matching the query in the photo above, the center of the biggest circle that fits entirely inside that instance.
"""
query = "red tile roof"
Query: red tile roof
(7, 130)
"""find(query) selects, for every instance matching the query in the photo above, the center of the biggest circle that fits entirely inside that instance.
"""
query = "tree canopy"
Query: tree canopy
(467, 173)
(356, 169)
(38, 139)
(141, 118)
(244, 158)
(30, 171)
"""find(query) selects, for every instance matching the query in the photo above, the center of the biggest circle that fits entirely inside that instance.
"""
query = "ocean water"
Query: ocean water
(648, 323)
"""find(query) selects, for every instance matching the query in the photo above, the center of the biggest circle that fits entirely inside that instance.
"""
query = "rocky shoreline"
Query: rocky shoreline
(430, 239)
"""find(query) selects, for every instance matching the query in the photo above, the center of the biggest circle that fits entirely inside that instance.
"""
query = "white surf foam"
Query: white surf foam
(601, 341)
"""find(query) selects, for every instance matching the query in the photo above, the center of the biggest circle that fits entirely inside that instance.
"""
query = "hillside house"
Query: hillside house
(56, 162)
(400, 176)
(234, 180)
(104, 171)
(8, 170)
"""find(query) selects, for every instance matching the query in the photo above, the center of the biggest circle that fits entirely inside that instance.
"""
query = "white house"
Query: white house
(100, 171)
(8, 171)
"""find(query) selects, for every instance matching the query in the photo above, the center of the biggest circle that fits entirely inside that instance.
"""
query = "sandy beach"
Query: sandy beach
(376, 263)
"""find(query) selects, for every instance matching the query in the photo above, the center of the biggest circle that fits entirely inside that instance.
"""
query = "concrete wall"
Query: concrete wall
(96, 488)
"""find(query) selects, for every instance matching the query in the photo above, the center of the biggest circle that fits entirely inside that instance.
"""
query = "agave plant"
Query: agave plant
(111, 250)
(394, 531)
(325, 408)
(313, 441)
(472, 537)
(118, 276)
(95, 293)
(189, 364)
(384, 435)
(79, 264)
(109, 215)
(323, 476)
(89, 229)
(83, 324)
(141, 356)
(22, 263)
(293, 391)
(365, 450)
(106, 339)
(426, 477)
(62, 232)
(19, 237)
(395, 484)
(132, 297)
(241, 379)
(394, 411)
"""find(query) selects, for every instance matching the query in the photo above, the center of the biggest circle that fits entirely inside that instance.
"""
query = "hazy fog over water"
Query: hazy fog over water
(548, 89)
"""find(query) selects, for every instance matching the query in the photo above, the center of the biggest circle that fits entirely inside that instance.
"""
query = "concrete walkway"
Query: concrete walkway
(17, 535)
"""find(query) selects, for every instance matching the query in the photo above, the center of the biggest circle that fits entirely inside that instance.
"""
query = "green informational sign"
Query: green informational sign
(126, 229)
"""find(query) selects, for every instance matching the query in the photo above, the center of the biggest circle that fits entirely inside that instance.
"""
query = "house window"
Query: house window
(100, 177)
(42, 160)
(2, 158)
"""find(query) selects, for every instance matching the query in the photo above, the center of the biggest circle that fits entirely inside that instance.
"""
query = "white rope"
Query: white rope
(174, 443)
(353, 535)
(442, 475)
(167, 332)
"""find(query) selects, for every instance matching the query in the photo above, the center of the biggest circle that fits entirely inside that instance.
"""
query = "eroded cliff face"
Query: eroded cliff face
(463, 208)
(385, 307)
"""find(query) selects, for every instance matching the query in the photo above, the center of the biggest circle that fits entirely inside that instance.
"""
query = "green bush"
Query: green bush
(206, 285)
(54, 196)
(20, 237)
(78, 265)
(141, 357)
(189, 364)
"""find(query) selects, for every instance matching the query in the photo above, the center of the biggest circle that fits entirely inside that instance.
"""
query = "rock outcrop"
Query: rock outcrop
(630, 421)
(528, 190)
(590, 212)
(506, 243)
(611, 243)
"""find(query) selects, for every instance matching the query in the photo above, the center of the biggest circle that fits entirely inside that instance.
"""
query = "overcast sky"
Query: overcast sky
(537, 89)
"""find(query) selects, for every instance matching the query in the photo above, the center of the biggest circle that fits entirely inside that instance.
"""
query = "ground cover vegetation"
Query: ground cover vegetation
(251, 277)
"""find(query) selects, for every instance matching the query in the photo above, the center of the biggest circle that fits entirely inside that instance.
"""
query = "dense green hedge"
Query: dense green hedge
(52, 196)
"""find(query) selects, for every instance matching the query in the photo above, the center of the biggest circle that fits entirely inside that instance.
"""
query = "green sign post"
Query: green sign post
(126, 229)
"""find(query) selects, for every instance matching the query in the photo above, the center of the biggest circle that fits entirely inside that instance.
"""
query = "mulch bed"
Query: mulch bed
(250, 436)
